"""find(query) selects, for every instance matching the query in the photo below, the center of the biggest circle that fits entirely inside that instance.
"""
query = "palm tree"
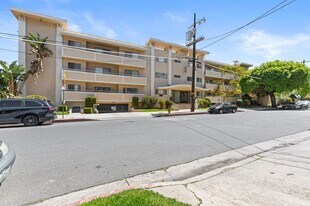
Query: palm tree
(12, 75)
(40, 50)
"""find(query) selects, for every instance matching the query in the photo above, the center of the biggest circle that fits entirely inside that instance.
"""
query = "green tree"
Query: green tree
(12, 75)
(233, 88)
(40, 50)
(276, 77)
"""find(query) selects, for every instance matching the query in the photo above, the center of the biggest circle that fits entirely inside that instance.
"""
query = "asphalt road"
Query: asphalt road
(56, 159)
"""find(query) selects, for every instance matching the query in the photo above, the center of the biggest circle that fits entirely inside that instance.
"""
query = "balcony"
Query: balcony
(211, 86)
(84, 54)
(89, 76)
(113, 97)
(216, 74)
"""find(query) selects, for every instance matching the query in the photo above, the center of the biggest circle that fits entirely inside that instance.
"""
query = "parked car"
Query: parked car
(7, 159)
(224, 107)
(30, 112)
(302, 104)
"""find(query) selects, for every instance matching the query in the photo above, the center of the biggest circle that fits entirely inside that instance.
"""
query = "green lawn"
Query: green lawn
(60, 113)
(136, 197)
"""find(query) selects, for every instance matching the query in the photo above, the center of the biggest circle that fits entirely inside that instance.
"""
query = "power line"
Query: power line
(269, 12)
(257, 18)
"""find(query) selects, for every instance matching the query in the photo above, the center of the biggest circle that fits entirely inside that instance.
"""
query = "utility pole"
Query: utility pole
(191, 40)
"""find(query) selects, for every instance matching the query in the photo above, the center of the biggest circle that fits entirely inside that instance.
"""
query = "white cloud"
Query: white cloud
(74, 27)
(99, 27)
(175, 17)
(272, 46)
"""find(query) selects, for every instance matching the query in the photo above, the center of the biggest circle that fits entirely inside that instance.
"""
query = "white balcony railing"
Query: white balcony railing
(84, 54)
(84, 76)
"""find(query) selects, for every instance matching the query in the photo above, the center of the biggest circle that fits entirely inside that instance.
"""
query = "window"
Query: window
(189, 64)
(74, 43)
(32, 104)
(74, 87)
(161, 75)
(177, 76)
(199, 65)
(177, 61)
(103, 89)
(165, 91)
(131, 55)
(130, 90)
(161, 59)
(210, 81)
(11, 103)
(199, 79)
(199, 94)
(128, 72)
(189, 79)
(74, 66)
(100, 70)
(102, 50)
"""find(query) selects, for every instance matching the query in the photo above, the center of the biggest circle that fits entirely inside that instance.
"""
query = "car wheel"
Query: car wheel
(30, 120)
(220, 111)
(234, 111)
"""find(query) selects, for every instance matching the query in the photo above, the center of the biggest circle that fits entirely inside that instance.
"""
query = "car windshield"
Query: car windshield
(218, 104)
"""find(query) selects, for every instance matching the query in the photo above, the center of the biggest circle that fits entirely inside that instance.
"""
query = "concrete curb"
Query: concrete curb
(182, 174)
(74, 120)
(177, 114)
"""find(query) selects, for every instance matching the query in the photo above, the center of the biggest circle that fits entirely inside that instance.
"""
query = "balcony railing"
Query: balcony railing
(96, 56)
(217, 74)
(112, 78)
(102, 97)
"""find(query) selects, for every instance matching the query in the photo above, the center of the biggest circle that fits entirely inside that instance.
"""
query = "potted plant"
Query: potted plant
(169, 104)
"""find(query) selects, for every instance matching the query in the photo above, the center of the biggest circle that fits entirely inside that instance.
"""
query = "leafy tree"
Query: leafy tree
(11, 77)
(276, 77)
(233, 88)
(40, 50)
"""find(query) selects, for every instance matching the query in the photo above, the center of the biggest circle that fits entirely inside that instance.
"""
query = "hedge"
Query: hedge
(62, 108)
(90, 101)
(88, 110)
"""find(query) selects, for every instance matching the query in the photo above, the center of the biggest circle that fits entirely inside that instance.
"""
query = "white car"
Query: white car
(7, 159)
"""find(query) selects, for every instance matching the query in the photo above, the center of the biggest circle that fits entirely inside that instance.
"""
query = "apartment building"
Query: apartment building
(113, 71)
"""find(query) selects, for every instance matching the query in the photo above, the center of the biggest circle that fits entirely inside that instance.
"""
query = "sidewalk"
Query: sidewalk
(275, 172)
(122, 115)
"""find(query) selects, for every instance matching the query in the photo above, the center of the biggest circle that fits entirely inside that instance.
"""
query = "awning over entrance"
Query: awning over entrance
(182, 87)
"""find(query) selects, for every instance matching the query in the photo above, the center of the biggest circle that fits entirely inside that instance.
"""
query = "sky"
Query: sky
(284, 35)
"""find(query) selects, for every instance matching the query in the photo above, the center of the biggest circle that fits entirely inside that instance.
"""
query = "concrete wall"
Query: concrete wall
(45, 84)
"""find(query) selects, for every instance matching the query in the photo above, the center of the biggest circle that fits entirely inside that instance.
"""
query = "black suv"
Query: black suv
(30, 112)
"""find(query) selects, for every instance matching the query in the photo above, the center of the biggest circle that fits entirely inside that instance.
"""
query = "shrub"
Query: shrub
(88, 110)
(149, 102)
(135, 102)
(90, 101)
(208, 101)
(202, 103)
(62, 108)
(239, 102)
(162, 103)
(284, 100)
(169, 104)
(36, 96)
(246, 102)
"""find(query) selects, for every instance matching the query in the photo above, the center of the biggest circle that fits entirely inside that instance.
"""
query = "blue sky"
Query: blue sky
(284, 35)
